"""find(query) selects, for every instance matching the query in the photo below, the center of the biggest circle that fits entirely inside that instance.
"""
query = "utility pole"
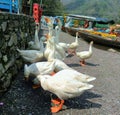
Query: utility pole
(31, 4)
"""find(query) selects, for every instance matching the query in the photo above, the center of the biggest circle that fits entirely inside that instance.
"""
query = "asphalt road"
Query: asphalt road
(103, 99)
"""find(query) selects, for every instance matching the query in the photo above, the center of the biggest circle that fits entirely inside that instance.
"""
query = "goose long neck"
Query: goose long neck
(76, 39)
(36, 36)
(57, 32)
(51, 56)
(41, 45)
(50, 31)
(90, 48)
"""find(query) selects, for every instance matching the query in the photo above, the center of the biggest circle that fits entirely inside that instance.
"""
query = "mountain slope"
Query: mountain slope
(100, 8)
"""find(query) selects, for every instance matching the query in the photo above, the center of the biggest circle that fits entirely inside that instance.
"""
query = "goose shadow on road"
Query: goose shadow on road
(82, 102)
(77, 64)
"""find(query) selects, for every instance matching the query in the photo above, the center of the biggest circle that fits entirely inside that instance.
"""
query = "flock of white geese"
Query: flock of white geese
(54, 75)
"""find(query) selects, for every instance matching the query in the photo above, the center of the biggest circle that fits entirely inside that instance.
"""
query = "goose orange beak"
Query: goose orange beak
(47, 20)
(47, 36)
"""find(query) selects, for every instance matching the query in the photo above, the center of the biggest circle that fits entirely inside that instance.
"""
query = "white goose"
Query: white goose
(50, 47)
(49, 25)
(35, 45)
(39, 68)
(59, 52)
(65, 46)
(83, 55)
(59, 65)
(73, 46)
(64, 85)
(59, 23)
(31, 56)
(59, 48)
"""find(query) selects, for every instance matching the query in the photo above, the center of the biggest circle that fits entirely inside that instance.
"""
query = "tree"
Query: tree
(52, 7)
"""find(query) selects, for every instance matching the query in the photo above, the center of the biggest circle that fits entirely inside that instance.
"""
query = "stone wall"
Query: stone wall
(15, 32)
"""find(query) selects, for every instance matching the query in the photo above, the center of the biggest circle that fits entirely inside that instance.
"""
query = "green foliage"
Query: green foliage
(52, 7)
(36, 1)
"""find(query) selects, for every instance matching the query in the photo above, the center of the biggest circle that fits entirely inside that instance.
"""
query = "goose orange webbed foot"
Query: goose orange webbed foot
(58, 107)
(56, 101)
(74, 52)
(82, 63)
(68, 52)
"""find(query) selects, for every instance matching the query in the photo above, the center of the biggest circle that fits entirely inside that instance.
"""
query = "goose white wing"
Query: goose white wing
(64, 87)
(73, 74)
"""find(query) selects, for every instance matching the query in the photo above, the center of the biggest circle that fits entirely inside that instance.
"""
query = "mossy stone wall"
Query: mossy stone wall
(15, 32)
